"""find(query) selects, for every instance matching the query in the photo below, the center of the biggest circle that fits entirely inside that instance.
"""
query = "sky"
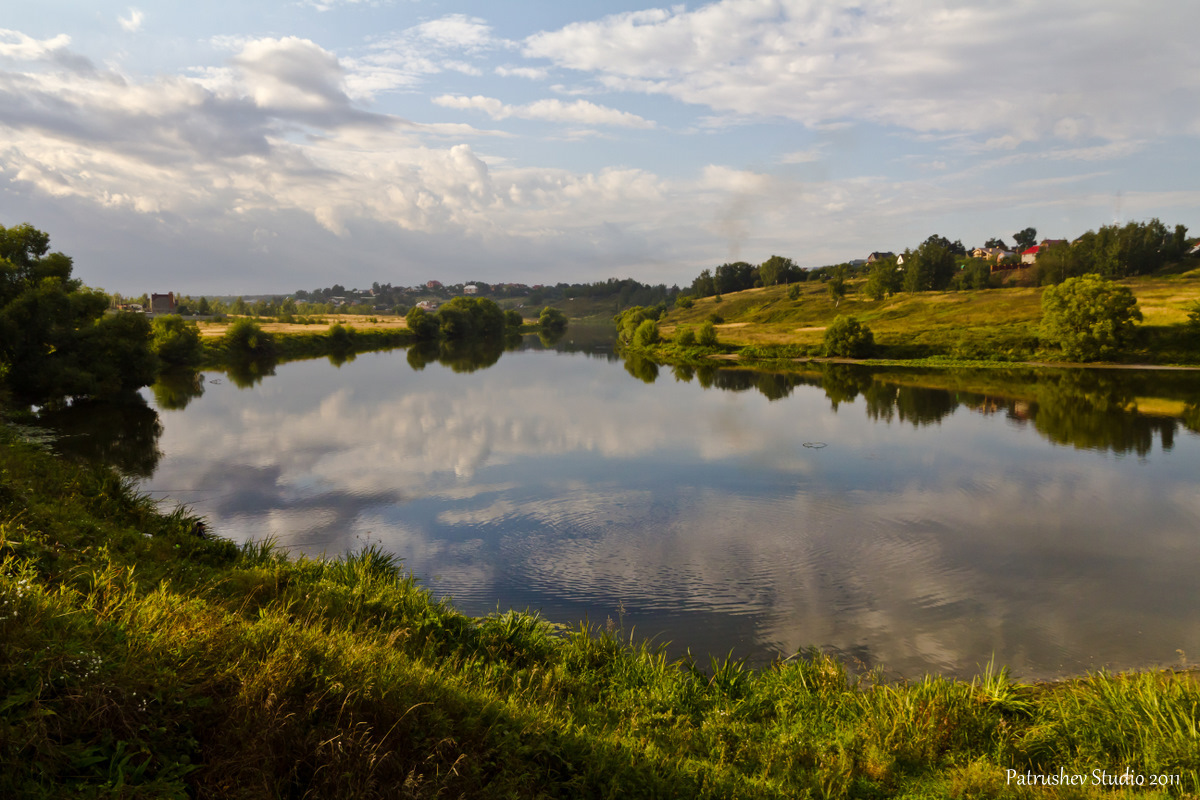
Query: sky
(256, 147)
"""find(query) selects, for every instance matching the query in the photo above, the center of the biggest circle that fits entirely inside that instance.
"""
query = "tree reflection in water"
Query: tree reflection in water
(123, 434)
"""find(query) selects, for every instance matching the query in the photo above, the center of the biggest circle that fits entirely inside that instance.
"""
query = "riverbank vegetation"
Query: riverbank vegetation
(145, 658)
(986, 325)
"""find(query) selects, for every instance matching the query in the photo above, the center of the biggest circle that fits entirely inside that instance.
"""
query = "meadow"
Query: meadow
(988, 324)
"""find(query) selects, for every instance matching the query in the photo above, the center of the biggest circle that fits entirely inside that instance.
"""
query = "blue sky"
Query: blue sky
(251, 147)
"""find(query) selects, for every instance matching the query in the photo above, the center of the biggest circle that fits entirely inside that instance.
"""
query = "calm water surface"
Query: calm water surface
(922, 529)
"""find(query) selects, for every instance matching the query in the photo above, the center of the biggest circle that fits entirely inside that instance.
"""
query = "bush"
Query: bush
(646, 334)
(707, 336)
(176, 342)
(848, 338)
(245, 338)
(684, 302)
(685, 337)
(1088, 317)
(551, 319)
(794, 292)
(513, 318)
(421, 323)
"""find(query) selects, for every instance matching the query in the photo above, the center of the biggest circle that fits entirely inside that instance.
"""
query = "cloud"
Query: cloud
(1018, 70)
(18, 46)
(133, 22)
(550, 110)
(532, 73)
(403, 60)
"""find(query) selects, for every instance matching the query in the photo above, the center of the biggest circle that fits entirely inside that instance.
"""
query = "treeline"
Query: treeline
(938, 264)
(386, 298)
(475, 318)
(59, 342)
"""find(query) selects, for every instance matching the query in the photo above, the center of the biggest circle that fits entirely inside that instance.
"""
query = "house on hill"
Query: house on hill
(871, 259)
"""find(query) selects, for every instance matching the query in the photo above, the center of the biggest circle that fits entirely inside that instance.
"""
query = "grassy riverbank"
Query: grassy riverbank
(981, 325)
(141, 660)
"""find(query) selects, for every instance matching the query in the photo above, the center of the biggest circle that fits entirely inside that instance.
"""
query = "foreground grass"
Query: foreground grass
(141, 660)
(990, 324)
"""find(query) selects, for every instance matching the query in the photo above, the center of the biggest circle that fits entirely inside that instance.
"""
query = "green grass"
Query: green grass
(140, 660)
(983, 325)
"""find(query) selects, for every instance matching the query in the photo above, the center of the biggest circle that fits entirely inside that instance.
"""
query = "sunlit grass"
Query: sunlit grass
(142, 661)
(992, 324)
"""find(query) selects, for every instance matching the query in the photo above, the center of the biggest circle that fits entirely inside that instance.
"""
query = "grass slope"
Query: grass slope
(998, 324)
(141, 660)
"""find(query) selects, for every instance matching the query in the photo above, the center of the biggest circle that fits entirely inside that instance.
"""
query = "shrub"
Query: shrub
(341, 337)
(707, 336)
(176, 342)
(513, 318)
(1088, 317)
(794, 292)
(646, 334)
(552, 319)
(848, 338)
(684, 302)
(245, 338)
(685, 337)
(421, 323)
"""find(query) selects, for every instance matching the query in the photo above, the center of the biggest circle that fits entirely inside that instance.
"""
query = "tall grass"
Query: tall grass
(141, 661)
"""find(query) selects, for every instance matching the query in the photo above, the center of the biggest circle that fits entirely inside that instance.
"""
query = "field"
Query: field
(317, 324)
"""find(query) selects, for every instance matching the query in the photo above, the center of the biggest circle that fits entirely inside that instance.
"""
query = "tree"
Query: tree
(883, 280)
(1088, 317)
(837, 285)
(848, 338)
(707, 337)
(1057, 262)
(776, 269)
(1025, 239)
(244, 339)
(56, 341)
(471, 317)
(551, 319)
(934, 266)
(977, 274)
(995, 242)
(422, 325)
(513, 318)
(177, 342)
(685, 337)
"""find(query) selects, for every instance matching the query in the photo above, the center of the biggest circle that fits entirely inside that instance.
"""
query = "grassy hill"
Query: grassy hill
(986, 324)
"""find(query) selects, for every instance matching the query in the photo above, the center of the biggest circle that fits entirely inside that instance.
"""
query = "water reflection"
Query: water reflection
(174, 389)
(1121, 411)
(944, 522)
(123, 434)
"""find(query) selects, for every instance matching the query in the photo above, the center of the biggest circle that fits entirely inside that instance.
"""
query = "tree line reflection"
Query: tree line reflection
(1119, 411)
(1122, 411)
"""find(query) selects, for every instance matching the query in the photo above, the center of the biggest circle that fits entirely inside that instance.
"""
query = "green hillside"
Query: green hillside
(987, 324)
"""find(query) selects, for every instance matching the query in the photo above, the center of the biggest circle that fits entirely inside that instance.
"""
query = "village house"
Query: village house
(162, 303)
